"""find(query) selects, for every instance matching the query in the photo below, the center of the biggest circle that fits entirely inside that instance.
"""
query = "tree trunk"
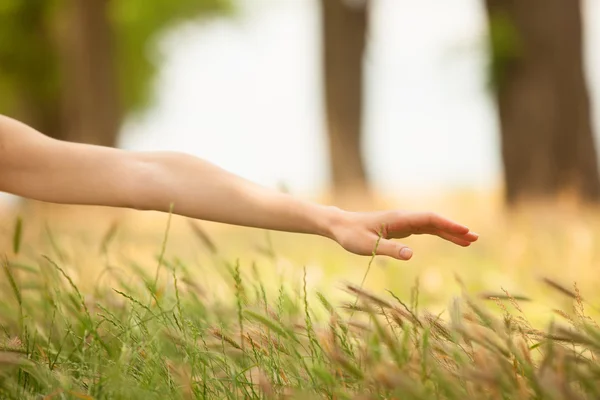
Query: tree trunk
(546, 131)
(34, 74)
(92, 113)
(344, 36)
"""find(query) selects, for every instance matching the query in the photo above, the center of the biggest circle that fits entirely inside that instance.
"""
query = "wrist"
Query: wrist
(329, 220)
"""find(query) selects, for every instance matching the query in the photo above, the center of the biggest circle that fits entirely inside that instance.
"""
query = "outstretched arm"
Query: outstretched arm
(35, 166)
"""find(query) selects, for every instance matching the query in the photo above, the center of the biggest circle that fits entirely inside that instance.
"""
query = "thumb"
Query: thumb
(393, 249)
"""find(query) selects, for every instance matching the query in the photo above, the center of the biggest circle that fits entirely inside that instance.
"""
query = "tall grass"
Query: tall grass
(59, 342)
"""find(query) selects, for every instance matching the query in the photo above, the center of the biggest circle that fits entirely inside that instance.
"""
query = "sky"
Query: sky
(245, 93)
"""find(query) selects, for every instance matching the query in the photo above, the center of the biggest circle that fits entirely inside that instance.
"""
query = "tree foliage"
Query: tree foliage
(30, 73)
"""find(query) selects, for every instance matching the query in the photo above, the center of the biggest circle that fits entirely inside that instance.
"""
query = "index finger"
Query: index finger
(436, 221)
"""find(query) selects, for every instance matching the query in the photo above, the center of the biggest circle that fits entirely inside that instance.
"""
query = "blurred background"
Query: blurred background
(394, 94)
(470, 107)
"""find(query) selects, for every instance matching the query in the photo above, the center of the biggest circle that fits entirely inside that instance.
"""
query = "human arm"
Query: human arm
(35, 166)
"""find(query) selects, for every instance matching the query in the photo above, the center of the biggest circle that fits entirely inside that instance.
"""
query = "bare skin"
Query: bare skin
(35, 166)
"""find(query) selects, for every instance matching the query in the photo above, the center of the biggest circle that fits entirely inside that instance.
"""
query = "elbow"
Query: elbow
(147, 187)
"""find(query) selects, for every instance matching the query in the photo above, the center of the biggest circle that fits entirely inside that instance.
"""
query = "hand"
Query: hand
(358, 232)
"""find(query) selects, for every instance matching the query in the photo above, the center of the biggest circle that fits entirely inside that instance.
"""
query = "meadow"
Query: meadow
(117, 304)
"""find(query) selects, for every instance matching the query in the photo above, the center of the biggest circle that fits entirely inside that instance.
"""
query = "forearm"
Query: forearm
(199, 189)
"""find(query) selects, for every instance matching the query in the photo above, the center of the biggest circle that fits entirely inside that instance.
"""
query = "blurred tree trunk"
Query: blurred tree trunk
(92, 113)
(38, 110)
(538, 73)
(344, 37)
(32, 68)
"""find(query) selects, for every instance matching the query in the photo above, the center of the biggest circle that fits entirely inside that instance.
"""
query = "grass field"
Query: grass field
(104, 304)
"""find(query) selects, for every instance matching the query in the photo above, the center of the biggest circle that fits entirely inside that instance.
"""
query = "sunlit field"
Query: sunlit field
(118, 304)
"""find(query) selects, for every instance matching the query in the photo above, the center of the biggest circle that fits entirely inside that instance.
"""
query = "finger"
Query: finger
(471, 236)
(459, 240)
(393, 249)
(463, 240)
(433, 220)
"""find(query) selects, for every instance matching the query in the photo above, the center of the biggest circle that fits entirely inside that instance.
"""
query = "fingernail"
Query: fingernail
(406, 253)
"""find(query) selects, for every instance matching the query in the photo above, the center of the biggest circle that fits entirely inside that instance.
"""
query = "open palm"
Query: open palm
(359, 232)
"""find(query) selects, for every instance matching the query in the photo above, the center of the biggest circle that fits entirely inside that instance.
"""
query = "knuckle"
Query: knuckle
(433, 217)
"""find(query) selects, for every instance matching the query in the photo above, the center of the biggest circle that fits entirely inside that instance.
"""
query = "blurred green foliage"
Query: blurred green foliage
(28, 60)
(137, 26)
(505, 47)
(29, 57)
